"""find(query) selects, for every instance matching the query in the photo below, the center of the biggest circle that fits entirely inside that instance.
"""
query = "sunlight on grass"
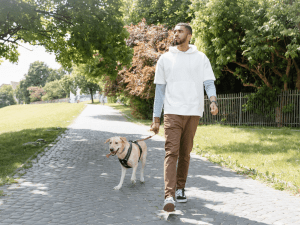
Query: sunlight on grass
(19, 117)
(270, 151)
(20, 124)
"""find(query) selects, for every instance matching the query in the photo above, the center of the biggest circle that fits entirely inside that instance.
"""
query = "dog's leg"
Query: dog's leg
(143, 160)
(122, 178)
(133, 176)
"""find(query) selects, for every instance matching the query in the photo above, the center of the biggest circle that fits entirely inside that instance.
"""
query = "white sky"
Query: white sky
(15, 72)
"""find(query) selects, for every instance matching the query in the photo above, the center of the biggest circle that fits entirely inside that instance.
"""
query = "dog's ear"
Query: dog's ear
(107, 140)
(123, 139)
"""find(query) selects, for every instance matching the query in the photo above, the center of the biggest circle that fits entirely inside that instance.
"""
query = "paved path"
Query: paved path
(72, 183)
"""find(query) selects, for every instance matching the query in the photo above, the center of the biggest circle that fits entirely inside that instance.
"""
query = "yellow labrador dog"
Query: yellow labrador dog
(129, 154)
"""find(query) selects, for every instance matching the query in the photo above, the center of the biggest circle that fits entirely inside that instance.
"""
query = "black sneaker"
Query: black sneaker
(180, 196)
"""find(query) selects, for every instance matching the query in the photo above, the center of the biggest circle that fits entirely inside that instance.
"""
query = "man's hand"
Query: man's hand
(213, 106)
(155, 125)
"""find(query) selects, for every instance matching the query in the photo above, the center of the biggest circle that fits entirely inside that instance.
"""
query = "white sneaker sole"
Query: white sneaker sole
(181, 200)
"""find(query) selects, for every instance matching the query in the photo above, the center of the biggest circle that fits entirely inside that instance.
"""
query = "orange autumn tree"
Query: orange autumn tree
(149, 42)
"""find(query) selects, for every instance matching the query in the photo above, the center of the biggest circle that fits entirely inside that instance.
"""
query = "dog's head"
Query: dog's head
(116, 144)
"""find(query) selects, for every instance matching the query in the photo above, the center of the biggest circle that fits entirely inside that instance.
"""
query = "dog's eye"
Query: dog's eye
(116, 142)
(110, 142)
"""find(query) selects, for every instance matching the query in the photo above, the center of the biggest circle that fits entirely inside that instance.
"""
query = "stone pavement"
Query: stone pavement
(72, 183)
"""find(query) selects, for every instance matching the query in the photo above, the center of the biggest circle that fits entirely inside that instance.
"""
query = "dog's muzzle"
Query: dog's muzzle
(113, 152)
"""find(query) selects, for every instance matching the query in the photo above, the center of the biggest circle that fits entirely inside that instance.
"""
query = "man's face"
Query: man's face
(181, 35)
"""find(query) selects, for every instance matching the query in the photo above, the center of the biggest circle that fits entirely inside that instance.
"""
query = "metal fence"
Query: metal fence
(231, 111)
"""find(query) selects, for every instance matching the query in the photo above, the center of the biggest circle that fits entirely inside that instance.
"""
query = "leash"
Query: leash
(145, 138)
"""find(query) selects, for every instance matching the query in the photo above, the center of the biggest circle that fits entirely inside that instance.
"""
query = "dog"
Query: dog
(120, 146)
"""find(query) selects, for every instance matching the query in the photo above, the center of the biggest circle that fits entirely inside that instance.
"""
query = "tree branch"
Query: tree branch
(257, 72)
(244, 84)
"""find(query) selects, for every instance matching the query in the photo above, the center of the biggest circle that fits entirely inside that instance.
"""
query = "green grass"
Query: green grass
(271, 155)
(20, 124)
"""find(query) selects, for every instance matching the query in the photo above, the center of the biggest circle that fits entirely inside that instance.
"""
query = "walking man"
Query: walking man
(180, 76)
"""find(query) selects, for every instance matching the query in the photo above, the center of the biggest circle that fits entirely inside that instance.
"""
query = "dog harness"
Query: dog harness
(125, 160)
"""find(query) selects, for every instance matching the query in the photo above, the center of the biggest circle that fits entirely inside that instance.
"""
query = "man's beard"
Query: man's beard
(179, 42)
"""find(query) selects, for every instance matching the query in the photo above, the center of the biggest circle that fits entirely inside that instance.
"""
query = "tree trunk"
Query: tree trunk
(91, 91)
(288, 69)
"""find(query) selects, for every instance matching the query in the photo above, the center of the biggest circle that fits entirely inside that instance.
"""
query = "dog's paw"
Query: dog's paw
(117, 187)
(133, 182)
(142, 180)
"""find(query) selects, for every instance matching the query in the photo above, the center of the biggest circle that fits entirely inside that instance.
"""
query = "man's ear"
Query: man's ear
(107, 140)
(123, 139)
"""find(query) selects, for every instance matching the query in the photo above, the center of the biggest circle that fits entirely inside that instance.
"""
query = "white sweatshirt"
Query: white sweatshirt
(184, 74)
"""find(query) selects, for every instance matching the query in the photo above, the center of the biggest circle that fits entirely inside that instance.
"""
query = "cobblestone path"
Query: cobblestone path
(72, 183)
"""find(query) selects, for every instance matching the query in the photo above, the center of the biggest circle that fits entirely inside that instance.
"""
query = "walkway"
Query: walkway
(72, 183)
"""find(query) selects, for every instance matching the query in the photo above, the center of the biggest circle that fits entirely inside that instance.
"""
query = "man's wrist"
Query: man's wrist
(156, 120)
(213, 101)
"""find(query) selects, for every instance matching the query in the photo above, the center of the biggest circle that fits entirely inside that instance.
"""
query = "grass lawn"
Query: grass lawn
(20, 124)
(271, 155)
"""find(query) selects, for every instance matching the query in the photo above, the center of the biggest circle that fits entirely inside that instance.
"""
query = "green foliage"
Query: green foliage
(82, 80)
(165, 12)
(136, 82)
(37, 76)
(288, 108)
(142, 108)
(68, 84)
(6, 96)
(56, 74)
(36, 93)
(257, 41)
(263, 101)
(73, 30)
(54, 90)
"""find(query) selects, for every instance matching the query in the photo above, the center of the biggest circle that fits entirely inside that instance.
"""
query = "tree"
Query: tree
(167, 12)
(36, 93)
(37, 76)
(73, 30)
(6, 96)
(56, 74)
(68, 84)
(54, 90)
(257, 41)
(136, 82)
(83, 81)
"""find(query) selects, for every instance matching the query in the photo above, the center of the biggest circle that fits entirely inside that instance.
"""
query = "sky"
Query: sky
(15, 72)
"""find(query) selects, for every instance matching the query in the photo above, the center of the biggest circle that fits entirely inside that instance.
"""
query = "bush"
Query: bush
(36, 93)
(54, 90)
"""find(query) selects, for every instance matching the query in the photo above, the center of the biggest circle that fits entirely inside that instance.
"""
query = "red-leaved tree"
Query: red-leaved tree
(36, 93)
(136, 82)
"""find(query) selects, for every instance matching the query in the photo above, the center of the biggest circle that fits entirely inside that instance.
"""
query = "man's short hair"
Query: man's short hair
(187, 26)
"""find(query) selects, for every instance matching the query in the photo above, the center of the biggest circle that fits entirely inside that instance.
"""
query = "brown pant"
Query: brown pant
(179, 135)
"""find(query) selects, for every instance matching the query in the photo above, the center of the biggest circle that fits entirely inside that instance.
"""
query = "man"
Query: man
(179, 78)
